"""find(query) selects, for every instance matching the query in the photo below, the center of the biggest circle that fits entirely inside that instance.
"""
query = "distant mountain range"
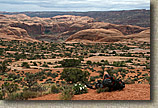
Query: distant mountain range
(125, 17)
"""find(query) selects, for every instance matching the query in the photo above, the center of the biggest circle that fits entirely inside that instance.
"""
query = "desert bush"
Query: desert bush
(38, 88)
(29, 94)
(80, 89)
(34, 64)
(63, 82)
(5, 79)
(44, 65)
(5, 75)
(67, 93)
(41, 79)
(135, 79)
(3, 67)
(25, 64)
(49, 73)
(129, 81)
(119, 63)
(106, 62)
(99, 90)
(9, 87)
(15, 96)
(30, 80)
(49, 63)
(70, 62)
(89, 62)
(74, 75)
(129, 61)
(54, 89)
(145, 74)
(147, 78)
(54, 75)
(92, 78)
(139, 73)
(1, 95)
(58, 71)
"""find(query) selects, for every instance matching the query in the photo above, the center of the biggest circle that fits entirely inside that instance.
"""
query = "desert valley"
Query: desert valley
(44, 58)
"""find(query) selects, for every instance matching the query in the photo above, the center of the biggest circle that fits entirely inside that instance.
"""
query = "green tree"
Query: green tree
(70, 62)
(73, 75)
(3, 67)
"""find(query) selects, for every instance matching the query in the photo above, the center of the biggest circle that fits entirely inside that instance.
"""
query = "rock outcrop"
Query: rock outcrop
(106, 35)
(32, 29)
(66, 27)
(125, 29)
(14, 31)
(95, 34)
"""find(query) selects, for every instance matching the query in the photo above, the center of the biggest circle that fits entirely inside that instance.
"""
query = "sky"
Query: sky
(72, 5)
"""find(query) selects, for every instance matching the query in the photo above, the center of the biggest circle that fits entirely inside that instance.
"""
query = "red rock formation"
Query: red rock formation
(125, 29)
(32, 29)
(94, 34)
(14, 31)
(67, 27)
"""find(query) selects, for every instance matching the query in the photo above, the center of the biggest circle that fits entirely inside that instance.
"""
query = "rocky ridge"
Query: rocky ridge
(65, 27)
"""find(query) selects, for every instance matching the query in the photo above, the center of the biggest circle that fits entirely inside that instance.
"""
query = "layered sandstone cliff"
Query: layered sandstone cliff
(66, 27)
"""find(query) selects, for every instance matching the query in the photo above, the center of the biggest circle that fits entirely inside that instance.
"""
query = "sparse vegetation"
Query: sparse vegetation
(62, 67)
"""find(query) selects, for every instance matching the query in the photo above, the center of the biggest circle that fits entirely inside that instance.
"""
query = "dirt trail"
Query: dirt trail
(131, 92)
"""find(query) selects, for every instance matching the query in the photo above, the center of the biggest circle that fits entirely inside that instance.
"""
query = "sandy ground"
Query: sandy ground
(109, 58)
(130, 92)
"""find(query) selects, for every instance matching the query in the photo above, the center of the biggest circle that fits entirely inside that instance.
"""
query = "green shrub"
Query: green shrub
(63, 82)
(145, 74)
(89, 62)
(70, 62)
(67, 93)
(54, 89)
(29, 94)
(92, 78)
(119, 63)
(25, 64)
(1, 95)
(44, 65)
(15, 96)
(10, 79)
(5, 79)
(3, 67)
(54, 75)
(147, 78)
(10, 87)
(99, 90)
(74, 75)
(41, 79)
(34, 64)
(49, 63)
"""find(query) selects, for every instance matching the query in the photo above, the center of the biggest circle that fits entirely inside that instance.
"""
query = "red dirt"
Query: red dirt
(130, 92)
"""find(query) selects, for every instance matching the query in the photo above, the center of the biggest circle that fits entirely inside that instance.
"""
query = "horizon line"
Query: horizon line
(73, 11)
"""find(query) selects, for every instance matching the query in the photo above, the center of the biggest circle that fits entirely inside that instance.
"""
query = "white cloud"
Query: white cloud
(72, 5)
